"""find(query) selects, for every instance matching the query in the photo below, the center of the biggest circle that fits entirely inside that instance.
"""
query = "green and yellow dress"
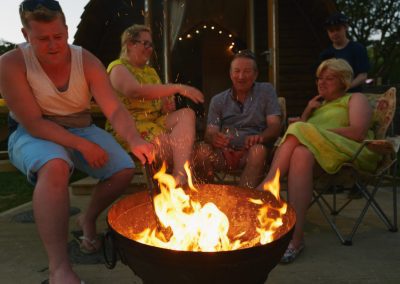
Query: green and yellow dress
(330, 149)
(150, 121)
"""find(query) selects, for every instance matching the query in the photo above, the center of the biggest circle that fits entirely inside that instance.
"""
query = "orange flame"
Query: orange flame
(203, 228)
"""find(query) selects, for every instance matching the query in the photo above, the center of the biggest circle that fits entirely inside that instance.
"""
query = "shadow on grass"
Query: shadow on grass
(16, 190)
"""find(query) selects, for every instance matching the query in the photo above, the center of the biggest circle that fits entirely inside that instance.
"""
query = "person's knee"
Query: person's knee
(187, 113)
(126, 174)
(257, 154)
(302, 152)
(302, 156)
(55, 172)
(56, 166)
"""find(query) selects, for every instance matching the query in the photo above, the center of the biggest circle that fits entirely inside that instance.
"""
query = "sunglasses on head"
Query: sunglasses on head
(32, 5)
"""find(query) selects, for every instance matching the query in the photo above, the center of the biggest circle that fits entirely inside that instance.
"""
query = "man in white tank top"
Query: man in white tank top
(47, 85)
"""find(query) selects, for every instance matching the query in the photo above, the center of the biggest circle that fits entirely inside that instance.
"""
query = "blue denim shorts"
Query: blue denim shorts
(29, 154)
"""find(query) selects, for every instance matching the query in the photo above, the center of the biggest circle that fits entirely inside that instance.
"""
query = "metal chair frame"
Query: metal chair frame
(387, 168)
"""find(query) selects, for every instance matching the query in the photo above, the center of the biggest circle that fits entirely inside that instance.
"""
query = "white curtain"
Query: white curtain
(177, 10)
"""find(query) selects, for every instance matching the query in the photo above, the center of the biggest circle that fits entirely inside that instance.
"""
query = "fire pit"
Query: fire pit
(251, 263)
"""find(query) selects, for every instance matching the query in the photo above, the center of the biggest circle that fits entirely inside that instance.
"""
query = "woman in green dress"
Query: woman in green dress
(327, 135)
(151, 103)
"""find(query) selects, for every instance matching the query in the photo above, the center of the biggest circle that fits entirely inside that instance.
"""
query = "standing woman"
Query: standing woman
(151, 103)
(328, 135)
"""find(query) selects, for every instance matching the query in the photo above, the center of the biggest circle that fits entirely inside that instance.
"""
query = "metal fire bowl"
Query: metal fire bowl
(133, 214)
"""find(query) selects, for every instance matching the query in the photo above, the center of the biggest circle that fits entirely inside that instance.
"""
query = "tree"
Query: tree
(375, 25)
(5, 46)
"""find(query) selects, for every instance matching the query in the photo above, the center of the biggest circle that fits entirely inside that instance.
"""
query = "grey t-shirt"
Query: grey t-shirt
(243, 119)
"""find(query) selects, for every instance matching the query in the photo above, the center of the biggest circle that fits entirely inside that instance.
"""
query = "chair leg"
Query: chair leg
(328, 218)
(394, 189)
(328, 211)
(370, 197)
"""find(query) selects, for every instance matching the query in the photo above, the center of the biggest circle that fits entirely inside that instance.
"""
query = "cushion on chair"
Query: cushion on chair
(383, 106)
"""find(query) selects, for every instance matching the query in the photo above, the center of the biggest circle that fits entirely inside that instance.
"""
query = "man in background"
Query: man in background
(342, 47)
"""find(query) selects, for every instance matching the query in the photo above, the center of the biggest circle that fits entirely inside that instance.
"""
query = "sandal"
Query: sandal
(291, 253)
(88, 246)
(47, 281)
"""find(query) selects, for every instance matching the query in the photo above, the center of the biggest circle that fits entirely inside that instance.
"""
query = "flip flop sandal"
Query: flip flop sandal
(47, 281)
(93, 246)
(291, 254)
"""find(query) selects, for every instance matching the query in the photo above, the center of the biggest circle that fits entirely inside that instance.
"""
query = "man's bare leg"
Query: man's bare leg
(51, 209)
(254, 168)
(103, 195)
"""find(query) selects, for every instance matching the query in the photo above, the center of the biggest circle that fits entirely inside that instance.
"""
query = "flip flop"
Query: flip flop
(291, 254)
(89, 246)
(47, 281)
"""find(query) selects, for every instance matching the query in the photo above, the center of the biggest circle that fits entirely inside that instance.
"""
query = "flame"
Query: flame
(195, 227)
(274, 186)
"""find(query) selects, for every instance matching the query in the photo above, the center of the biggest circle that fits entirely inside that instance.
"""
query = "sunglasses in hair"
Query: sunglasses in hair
(32, 5)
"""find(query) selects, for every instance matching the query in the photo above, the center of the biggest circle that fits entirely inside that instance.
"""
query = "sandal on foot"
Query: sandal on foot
(88, 246)
(291, 253)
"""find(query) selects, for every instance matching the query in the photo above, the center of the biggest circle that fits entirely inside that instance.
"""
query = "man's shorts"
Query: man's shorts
(29, 154)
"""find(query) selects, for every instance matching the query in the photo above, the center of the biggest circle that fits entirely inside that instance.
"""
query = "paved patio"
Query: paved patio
(373, 258)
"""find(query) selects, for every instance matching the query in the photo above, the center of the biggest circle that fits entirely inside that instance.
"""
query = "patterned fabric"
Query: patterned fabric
(384, 106)
(147, 114)
(332, 150)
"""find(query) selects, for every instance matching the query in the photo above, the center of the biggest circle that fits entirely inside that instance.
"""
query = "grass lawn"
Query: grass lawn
(15, 189)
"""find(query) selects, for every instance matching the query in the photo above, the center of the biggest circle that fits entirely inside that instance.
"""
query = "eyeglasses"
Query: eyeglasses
(147, 44)
(32, 5)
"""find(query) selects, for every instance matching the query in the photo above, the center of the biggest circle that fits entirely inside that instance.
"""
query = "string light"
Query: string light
(220, 31)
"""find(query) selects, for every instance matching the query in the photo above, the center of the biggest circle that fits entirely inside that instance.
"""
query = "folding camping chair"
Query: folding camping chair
(368, 184)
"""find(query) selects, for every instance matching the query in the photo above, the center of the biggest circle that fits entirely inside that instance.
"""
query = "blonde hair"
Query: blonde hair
(130, 34)
(340, 67)
(40, 14)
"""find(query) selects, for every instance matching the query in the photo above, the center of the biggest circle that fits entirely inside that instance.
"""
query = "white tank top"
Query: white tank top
(75, 99)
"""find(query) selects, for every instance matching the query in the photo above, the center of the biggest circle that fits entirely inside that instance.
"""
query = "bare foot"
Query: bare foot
(64, 275)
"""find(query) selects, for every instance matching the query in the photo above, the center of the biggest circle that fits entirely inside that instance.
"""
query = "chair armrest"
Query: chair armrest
(382, 146)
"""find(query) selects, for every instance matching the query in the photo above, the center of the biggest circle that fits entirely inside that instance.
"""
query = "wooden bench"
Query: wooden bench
(86, 185)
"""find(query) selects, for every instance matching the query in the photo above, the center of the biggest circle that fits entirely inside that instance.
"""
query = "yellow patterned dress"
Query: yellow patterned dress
(331, 150)
(150, 121)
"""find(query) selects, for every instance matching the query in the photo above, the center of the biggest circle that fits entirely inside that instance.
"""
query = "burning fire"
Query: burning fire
(190, 226)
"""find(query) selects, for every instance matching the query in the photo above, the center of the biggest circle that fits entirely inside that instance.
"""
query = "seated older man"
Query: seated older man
(243, 123)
